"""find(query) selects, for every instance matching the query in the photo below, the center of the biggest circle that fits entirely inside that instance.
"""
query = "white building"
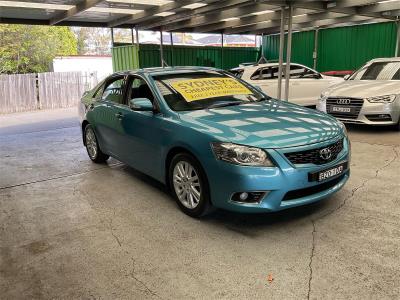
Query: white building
(101, 65)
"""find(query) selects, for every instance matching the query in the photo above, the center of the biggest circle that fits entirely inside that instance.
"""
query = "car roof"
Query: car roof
(384, 59)
(164, 70)
(274, 64)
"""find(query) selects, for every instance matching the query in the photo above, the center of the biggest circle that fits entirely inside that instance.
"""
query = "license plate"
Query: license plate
(328, 173)
(341, 109)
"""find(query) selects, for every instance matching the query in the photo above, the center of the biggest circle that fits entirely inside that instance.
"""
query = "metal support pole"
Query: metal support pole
(222, 50)
(281, 46)
(137, 36)
(132, 36)
(288, 51)
(315, 53)
(112, 37)
(172, 49)
(397, 52)
(161, 49)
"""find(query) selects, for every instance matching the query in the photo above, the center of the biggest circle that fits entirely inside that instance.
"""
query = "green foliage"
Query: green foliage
(31, 49)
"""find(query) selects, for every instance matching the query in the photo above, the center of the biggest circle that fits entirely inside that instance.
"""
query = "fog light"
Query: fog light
(243, 196)
(248, 197)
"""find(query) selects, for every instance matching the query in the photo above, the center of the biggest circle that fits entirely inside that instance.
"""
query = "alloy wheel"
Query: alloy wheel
(187, 184)
(91, 143)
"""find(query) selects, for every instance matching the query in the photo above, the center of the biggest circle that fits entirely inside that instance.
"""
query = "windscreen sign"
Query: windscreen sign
(203, 88)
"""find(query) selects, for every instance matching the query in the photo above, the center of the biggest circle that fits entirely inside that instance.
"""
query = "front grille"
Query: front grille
(296, 194)
(354, 103)
(313, 156)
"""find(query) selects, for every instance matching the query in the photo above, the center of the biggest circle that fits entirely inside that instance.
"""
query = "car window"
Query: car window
(237, 72)
(265, 73)
(114, 91)
(138, 88)
(99, 92)
(388, 70)
(298, 72)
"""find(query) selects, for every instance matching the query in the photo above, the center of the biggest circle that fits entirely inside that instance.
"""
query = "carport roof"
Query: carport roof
(226, 16)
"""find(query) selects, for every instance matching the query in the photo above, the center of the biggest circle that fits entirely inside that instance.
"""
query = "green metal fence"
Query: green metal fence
(348, 48)
(128, 57)
(125, 58)
(342, 48)
(302, 47)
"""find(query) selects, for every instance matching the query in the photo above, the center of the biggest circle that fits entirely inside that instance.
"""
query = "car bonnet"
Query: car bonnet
(267, 124)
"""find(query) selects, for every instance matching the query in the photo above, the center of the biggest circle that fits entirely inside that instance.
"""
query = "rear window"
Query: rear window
(379, 71)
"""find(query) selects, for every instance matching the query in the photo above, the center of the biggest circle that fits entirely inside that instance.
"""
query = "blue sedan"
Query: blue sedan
(215, 140)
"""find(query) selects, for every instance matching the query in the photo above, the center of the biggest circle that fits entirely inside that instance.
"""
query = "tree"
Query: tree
(92, 40)
(31, 49)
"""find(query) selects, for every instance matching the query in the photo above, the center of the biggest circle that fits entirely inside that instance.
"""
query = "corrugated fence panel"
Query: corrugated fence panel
(348, 48)
(149, 56)
(302, 47)
(125, 58)
(18, 93)
(60, 89)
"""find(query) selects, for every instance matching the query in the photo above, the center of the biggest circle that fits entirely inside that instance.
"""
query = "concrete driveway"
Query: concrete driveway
(73, 229)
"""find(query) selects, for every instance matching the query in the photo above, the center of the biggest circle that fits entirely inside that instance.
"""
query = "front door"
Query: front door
(142, 134)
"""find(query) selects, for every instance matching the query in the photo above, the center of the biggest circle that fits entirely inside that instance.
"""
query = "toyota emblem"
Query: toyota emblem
(343, 101)
(325, 153)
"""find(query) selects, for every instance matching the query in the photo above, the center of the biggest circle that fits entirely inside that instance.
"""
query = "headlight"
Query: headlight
(241, 155)
(344, 129)
(324, 96)
(382, 99)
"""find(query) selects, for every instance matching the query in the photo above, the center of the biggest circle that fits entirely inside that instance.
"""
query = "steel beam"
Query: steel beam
(315, 52)
(397, 51)
(218, 17)
(281, 46)
(379, 7)
(288, 52)
(81, 6)
(149, 13)
(318, 23)
(190, 13)
(275, 23)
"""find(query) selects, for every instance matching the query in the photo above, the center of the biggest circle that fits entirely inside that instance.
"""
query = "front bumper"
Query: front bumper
(372, 113)
(287, 179)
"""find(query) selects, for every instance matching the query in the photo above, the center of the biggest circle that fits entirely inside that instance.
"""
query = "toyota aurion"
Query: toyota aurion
(215, 140)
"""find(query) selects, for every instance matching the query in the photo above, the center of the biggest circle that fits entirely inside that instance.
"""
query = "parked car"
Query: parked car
(305, 84)
(215, 140)
(369, 96)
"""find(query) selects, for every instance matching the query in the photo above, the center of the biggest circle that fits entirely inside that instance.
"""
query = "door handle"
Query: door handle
(119, 115)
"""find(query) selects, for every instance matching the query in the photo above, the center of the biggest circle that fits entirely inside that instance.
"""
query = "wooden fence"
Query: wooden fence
(25, 92)
(18, 93)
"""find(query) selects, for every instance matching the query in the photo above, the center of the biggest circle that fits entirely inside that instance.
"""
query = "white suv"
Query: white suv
(369, 96)
(305, 84)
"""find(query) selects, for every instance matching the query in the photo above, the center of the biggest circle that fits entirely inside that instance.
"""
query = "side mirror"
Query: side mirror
(141, 104)
(346, 77)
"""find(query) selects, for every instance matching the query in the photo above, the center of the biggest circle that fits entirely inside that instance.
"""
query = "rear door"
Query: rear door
(106, 118)
(306, 85)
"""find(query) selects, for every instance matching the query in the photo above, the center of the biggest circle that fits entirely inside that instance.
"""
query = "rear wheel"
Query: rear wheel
(92, 146)
(189, 185)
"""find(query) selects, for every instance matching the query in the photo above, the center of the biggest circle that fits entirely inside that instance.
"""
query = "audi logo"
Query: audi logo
(325, 153)
(343, 101)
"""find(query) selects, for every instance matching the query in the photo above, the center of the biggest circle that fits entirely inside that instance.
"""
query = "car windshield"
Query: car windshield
(388, 70)
(204, 89)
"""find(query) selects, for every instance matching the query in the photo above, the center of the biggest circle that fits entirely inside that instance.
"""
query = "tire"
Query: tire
(92, 146)
(189, 185)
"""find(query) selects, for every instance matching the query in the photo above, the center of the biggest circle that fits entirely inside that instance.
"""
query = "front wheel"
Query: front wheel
(189, 185)
(92, 146)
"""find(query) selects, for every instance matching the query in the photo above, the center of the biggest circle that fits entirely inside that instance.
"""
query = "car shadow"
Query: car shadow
(243, 223)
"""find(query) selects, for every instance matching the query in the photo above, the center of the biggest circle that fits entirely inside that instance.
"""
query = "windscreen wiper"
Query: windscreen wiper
(224, 104)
